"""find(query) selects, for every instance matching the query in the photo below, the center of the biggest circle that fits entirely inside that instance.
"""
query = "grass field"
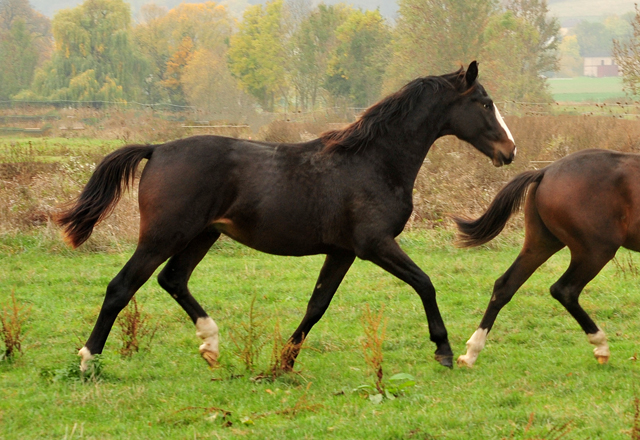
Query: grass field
(583, 88)
(536, 379)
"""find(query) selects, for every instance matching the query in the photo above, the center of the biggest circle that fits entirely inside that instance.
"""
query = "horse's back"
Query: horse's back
(592, 196)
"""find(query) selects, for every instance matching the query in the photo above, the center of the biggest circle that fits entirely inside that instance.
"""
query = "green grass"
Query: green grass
(587, 89)
(537, 363)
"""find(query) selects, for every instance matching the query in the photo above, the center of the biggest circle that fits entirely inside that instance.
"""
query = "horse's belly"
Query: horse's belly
(277, 240)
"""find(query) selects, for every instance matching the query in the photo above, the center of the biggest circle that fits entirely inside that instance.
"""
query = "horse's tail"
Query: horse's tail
(101, 194)
(507, 202)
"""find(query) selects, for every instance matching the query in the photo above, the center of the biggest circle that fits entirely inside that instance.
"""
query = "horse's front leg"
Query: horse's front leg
(333, 271)
(388, 255)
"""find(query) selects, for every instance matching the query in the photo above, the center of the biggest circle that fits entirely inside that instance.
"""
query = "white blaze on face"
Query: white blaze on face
(207, 330)
(504, 126)
(475, 344)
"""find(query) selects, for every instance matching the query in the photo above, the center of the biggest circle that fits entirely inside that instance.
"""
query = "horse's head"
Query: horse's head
(474, 118)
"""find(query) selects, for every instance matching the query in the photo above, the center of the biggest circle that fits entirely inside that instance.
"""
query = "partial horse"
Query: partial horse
(588, 201)
(347, 194)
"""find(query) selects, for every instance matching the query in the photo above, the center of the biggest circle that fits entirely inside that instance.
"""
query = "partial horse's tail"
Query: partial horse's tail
(507, 202)
(101, 194)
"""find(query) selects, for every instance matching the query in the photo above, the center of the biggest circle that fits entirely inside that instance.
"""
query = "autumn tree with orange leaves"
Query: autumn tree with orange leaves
(170, 40)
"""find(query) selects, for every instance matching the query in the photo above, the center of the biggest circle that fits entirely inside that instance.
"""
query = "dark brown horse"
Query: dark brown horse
(347, 195)
(588, 201)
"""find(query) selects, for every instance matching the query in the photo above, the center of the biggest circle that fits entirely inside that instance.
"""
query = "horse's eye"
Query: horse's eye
(489, 106)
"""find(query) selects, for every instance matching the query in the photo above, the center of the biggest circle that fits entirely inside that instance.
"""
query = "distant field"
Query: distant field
(586, 89)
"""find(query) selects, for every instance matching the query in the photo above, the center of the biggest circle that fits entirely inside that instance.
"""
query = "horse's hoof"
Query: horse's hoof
(210, 357)
(445, 360)
(602, 359)
(86, 357)
(464, 361)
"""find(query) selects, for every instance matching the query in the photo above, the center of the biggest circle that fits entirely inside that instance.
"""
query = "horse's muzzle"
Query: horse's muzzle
(500, 159)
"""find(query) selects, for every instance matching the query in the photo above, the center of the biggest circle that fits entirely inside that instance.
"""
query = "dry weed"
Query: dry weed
(374, 334)
(635, 429)
(249, 339)
(134, 328)
(12, 318)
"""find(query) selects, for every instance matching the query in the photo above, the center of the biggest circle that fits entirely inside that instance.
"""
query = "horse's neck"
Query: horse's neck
(404, 154)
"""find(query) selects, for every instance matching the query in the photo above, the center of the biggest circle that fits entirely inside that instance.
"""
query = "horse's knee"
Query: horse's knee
(500, 296)
(439, 335)
(118, 295)
(564, 295)
(170, 281)
(425, 285)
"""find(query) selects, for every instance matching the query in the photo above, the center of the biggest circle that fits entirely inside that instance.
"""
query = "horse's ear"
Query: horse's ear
(472, 73)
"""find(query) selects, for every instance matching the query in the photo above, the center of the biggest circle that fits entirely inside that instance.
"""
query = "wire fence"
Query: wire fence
(42, 117)
(623, 109)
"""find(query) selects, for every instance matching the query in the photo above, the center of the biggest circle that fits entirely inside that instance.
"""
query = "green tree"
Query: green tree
(570, 60)
(257, 56)
(19, 56)
(357, 67)
(596, 38)
(520, 46)
(432, 36)
(94, 55)
(542, 52)
(25, 43)
(593, 38)
(627, 57)
(509, 59)
(311, 49)
(37, 24)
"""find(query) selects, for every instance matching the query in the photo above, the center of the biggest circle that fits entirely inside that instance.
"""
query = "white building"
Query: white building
(600, 66)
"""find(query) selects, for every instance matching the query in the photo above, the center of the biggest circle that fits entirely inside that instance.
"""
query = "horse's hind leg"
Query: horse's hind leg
(539, 245)
(174, 278)
(584, 266)
(119, 292)
(333, 271)
(503, 290)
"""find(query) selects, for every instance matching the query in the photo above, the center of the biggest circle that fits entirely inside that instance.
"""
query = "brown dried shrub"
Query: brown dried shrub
(455, 178)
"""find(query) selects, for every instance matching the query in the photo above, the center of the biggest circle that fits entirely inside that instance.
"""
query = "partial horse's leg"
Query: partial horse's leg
(331, 275)
(584, 266)
(174, 278)
(539, 245)
(388, 255)
(119, 292)
(504, 288)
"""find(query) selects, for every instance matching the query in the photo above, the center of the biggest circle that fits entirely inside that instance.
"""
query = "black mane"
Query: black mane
(378, 118)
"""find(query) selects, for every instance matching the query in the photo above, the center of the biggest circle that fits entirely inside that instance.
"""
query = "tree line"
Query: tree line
(284, 55)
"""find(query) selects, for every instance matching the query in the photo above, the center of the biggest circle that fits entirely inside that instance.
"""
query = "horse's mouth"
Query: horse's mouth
(500, 159)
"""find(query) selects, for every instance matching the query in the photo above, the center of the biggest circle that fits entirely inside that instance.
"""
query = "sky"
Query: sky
(388, 8)
(577, 9)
